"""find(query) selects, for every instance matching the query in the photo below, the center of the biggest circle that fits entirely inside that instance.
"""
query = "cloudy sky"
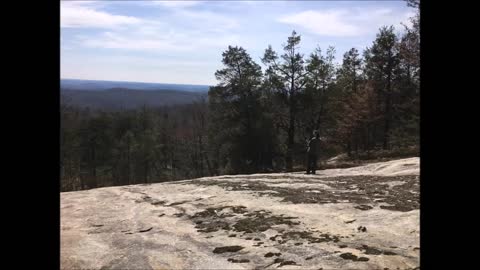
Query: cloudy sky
(182, 41)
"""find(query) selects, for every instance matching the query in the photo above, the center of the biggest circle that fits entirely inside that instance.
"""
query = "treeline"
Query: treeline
(257, 120)
(120, 98)
(146, 145)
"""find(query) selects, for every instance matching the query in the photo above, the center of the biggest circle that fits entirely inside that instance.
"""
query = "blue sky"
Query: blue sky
(182, 41)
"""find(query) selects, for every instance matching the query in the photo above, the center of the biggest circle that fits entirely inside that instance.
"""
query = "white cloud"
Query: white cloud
(155, 40)
(345, 22)
(80, 15)
(111, 40)
(327, 23)
(250, 3)
(207, 20)
(175, 4)
(180, 30)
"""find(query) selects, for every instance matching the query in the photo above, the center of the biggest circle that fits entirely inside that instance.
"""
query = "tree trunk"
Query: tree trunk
(356, 142)
(290, 140)
(366, 136)
(387, 113)
(93, 181)
(145, 172)
(128, 162)
(209, 166)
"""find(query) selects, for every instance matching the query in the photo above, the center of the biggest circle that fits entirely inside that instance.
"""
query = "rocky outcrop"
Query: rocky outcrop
(358, 218)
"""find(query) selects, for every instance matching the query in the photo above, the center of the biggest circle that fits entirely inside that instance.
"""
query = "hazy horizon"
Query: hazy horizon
(133, 81)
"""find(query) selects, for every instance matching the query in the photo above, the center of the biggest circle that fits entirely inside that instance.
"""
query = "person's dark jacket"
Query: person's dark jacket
(314, 146)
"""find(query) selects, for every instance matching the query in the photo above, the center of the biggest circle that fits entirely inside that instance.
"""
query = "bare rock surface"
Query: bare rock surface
(357, 218)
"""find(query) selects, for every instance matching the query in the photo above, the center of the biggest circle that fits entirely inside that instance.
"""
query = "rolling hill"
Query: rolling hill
(74, 84)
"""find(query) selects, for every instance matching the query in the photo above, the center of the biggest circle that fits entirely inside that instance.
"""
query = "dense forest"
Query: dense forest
(257, 120)
(121, 98)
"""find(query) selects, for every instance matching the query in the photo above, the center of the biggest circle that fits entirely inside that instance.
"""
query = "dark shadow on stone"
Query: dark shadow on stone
(287, 263)
(145, 230)
(350, 256)
(238, 261)
(227, 249)
(271, 254)
(363, 207)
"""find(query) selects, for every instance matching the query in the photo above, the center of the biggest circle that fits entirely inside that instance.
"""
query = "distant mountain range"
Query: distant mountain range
(111, 95)
(74, 84)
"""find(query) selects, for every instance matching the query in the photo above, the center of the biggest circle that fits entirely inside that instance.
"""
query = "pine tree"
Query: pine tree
(381, 61)
(349, 81)
(320, 79)
(288, 81)
(235, 111)
(407, 107)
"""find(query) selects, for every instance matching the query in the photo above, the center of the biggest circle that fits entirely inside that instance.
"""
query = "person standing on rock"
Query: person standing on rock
(312, 152)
